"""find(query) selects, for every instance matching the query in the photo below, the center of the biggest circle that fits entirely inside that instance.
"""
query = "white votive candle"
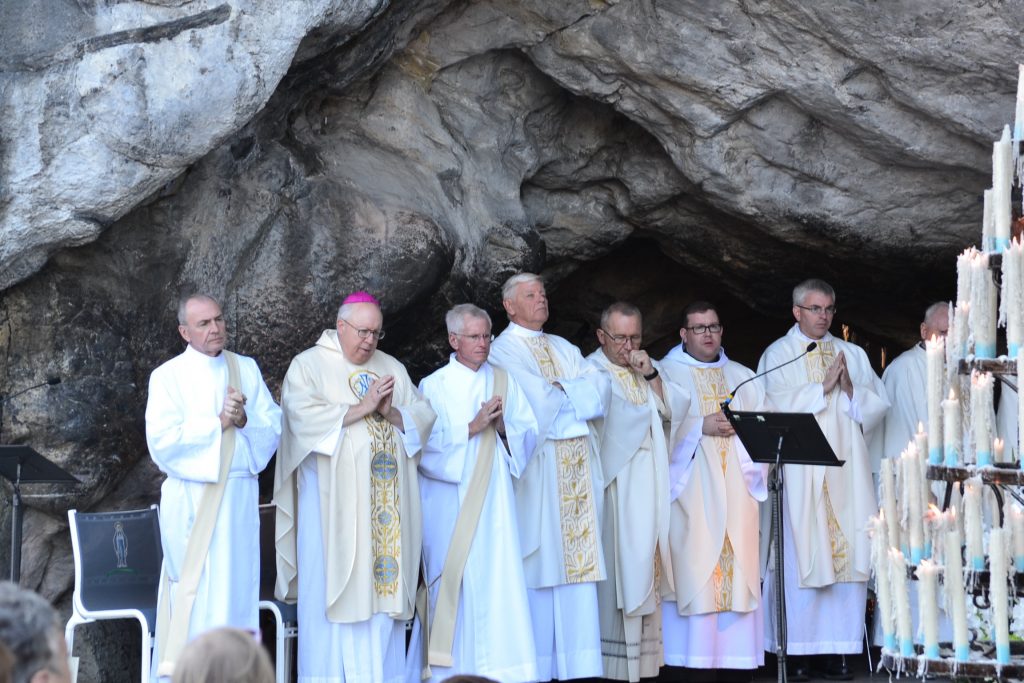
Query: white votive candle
(880, 557)
(999, 594)
(935, 350)
(983, 308)
(1002, 180)
(892, 519)
(981, 417)
(927, 585)
(972, 524)
(951, 434)
(901, 597)
(915, 512)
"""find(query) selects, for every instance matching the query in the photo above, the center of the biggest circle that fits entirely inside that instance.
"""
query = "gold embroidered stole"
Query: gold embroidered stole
(385, 519)
(575, 485)
(712, 390)
(817, 363)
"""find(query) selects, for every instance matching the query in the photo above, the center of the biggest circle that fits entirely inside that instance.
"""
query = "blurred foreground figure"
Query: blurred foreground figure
(33, 636)
(224, 655)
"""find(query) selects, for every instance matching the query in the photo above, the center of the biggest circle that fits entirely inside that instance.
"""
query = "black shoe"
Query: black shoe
(798, 669)
(836, 669)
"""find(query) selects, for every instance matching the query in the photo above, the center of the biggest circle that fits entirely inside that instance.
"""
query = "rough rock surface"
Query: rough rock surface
(276, 154)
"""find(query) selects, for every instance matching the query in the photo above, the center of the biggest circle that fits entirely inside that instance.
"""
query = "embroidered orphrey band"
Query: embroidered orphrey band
(575, 487)
(385, 520)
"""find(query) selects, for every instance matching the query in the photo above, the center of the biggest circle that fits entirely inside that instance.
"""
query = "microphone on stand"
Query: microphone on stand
(732, 395)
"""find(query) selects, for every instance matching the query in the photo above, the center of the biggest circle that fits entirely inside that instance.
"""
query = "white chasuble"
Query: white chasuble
(832, 504)
(183, 431)
(493, 633)
(712, 612)
(558, 495)
(348, 522)
(634, 459)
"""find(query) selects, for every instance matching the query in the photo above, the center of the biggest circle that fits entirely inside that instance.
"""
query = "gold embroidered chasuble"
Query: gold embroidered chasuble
(714, 529)
(575, 485)
(369, 501)
(833, 504)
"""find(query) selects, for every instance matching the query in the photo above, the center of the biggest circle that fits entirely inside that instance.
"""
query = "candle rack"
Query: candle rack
(946, 665)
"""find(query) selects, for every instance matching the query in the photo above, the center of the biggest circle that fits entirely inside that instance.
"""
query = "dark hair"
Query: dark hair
(696, 307)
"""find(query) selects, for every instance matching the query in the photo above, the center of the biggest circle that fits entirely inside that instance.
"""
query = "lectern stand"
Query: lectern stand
(781, 439)
(23, 465)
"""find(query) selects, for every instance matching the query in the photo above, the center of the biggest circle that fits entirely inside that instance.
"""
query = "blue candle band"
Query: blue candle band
(1003, 653)
(1002, 243)
(932, 652)
(916, 555)
(984, 350)
(1018, 563)
(890, 642)
(935, 455)
(978, 563)
(952, 457)
(928, 549)
(962, 653)
(907, 648)
(1014, 348)
(984, 458)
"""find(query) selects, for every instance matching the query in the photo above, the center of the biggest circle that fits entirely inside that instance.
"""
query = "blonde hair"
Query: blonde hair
(224, 655)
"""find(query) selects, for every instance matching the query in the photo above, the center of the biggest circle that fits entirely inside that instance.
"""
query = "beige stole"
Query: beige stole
(172, 626)
(442, 628)
(575, 486)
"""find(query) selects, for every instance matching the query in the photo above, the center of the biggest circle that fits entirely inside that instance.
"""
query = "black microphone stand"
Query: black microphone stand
(17, 512)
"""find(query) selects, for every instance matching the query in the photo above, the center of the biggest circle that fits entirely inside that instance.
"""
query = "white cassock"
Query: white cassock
(348, 518)
(905, 382)
(493, 633)
(634, 459)
(828, 553)
(558, 500)
(183, 431)
(713, 615)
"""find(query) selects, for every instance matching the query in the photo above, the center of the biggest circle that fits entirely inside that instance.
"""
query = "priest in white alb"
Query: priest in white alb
(483, 438)
(634, 458)
(905, 380)
(713, 616)
(559, 494)
(826, 509)
(348, 507)
(211, 426)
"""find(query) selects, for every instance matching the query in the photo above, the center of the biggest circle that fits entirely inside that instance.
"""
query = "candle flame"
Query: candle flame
(920, 428)
(952, 394)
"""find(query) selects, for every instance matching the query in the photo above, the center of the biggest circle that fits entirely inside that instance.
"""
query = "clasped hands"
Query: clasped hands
(377, 399)
(491, 411)
(838, 374)
(233, 412)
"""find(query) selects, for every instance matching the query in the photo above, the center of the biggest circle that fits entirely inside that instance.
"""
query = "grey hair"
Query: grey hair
(194, 296)
(455, 319)
(801, 291)
(346, 309)
(934, 310)
(31, 630)
(622, 308)
(509, 288)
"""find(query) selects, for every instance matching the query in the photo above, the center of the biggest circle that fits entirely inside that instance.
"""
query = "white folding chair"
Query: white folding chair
(117, 571)
(286, 629)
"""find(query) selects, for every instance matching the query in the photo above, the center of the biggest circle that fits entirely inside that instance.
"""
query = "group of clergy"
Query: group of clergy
(538, 514)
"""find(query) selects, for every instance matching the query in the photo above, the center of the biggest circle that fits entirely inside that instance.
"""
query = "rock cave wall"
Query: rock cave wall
(279, 154)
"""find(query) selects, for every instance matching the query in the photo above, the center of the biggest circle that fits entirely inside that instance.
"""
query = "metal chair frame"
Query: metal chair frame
(286, 630)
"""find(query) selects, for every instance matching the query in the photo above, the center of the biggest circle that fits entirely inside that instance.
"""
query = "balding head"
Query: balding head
(936, 320)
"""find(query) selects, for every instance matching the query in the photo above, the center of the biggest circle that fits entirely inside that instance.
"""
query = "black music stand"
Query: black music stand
(781, 439)
(23, 465)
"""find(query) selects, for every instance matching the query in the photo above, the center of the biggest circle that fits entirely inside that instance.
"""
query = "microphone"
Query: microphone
(732, 395)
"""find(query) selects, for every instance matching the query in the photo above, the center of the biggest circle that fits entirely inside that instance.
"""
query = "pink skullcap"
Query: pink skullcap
(361, 298)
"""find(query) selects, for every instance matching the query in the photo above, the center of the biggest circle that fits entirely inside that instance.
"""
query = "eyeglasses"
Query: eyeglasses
(818, 310)
(476, 338)
(713, 328)
(362, 332)
(623, 338)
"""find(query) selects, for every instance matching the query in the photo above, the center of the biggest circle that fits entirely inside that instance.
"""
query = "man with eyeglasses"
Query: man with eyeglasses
(483, 438)
(348, 508)
(559, 494)
(712, 618)
(634, 458)
(827, 552)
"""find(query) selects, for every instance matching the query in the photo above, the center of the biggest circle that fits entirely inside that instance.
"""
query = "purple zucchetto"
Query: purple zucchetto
(361, 298)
